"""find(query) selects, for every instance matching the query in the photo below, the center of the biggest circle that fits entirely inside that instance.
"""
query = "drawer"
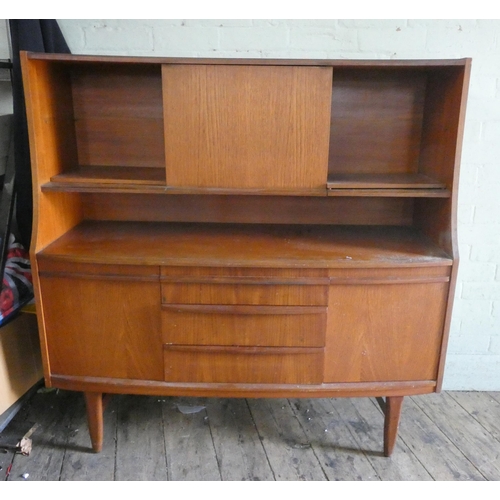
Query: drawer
(238, 293)
(230, 325)
(243, 365)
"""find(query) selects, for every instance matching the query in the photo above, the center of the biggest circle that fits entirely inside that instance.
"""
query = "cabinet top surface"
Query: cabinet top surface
(371, 63)
(233, 245)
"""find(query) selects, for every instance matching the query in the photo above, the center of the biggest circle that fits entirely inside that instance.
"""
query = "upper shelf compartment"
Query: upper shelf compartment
(103, 123)
(118, 114)
(257, 127)
(394, 131)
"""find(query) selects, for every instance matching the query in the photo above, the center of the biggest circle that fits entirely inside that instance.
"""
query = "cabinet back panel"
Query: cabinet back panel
(251, 209)
(119, 116)
(376, 121)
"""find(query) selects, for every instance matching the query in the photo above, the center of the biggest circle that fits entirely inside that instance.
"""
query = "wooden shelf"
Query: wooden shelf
(245, 245)
(410, 185)
(152, 180)
(109, 176)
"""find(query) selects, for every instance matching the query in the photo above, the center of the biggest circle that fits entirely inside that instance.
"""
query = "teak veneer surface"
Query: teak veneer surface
(224, 126)
(242, 245)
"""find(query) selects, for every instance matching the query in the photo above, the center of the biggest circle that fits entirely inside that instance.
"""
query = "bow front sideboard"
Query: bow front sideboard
(244, 228)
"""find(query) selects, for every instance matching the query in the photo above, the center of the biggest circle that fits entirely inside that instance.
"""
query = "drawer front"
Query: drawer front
(237, 293)
(243, 365)
(228, 325)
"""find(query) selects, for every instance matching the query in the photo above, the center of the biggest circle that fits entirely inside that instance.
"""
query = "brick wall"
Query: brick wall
(474, 349)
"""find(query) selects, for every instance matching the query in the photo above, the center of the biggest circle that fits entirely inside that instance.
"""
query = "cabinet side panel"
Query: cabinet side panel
(444, 120)
(101, 328)
(384, 332)
(440, 153)
(246, 126)
(49, 110)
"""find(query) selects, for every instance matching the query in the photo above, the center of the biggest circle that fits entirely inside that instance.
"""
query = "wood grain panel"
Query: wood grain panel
(125, 142)
(246, 127)
(119, 117)
(376, 122)
(441, 148)
(52, 142)
(255, 365)
(384, 332)
(243, 325)
(210, 293)
(49, 110)
(254, 209)
(103, 328)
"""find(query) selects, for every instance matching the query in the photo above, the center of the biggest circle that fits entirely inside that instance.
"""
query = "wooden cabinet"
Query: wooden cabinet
(244, 228)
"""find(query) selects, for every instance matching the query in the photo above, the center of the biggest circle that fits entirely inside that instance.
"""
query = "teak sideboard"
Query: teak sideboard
(244, 228)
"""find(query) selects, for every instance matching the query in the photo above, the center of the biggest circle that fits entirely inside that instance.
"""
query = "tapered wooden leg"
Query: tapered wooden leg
(393, 405)
(95, 419)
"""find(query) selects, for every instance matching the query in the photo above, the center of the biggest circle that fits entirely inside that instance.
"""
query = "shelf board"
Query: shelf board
(411, 185)
(109, 176)
(391, 193)
(97, 179)
(245, 245)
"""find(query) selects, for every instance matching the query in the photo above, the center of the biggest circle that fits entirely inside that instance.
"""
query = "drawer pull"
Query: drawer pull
(248, 350)
(243, 309)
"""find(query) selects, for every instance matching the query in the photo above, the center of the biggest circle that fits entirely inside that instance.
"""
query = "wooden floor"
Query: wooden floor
(448, 436)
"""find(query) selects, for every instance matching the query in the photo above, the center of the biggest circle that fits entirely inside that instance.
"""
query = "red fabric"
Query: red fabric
(17, 284)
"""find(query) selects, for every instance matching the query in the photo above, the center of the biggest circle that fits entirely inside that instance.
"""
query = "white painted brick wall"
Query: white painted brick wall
(474, 348)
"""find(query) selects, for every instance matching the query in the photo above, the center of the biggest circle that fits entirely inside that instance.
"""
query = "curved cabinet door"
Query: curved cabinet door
(103, 327)
(385, 332)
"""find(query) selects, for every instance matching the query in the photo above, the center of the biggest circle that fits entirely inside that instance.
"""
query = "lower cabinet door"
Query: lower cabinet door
(103, 327)
(385, 332)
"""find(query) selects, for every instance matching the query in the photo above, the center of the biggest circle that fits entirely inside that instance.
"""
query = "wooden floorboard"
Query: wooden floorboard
(452, 436)
(188, 439)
